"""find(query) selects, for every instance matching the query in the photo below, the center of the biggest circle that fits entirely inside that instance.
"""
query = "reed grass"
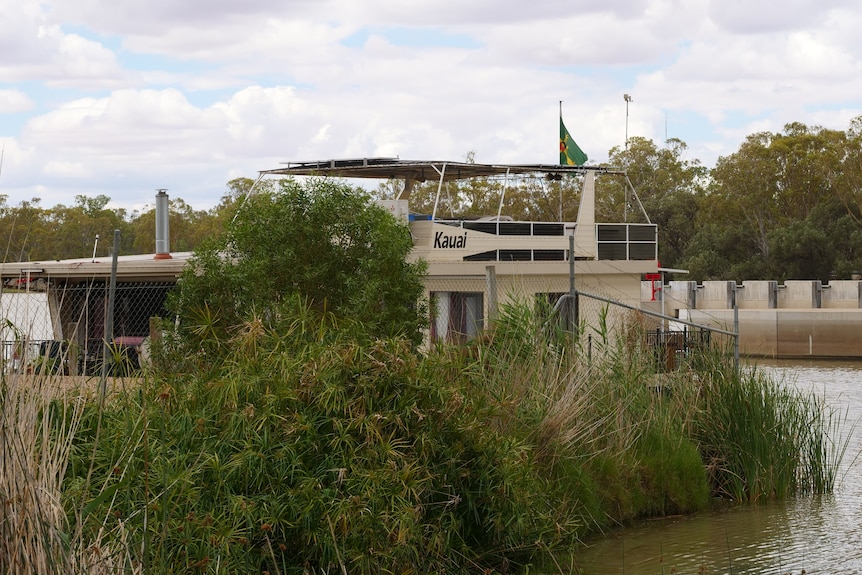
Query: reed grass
(39, 419)
(301, 445)
(654, 443)
(764, 438)
(599, 428)
(33, 525)
(320, 451)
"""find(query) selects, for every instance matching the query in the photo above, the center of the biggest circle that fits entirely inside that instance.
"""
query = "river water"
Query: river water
(811, 535)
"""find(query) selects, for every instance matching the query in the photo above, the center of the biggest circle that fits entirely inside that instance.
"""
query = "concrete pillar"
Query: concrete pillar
(716, 295)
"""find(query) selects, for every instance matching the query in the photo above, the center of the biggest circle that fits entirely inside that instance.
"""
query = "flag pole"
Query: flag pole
(561, 123)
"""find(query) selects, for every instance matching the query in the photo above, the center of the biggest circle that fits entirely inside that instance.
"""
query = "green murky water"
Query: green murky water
(812, 535)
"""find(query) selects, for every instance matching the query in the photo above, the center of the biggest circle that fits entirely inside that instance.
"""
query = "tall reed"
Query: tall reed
(311, 448)
(32, 466)
(39, 419)
(763, 438)
(654, 442)
(598, 428)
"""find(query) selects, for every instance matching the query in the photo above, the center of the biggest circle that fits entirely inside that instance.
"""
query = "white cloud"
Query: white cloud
(121, 98)
(19, 33)
(772, 16)
(35, 49)
(66, 169)
(82, 63)
(12, 101)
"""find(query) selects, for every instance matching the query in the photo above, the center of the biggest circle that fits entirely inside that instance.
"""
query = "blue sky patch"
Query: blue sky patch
(412, 37)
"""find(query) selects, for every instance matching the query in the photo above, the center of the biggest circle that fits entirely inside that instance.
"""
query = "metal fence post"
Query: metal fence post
(573, 294)
(491, 288)
(109, 316)
(736, 331)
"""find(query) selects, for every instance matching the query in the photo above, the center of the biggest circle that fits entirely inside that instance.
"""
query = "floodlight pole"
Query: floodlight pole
(628, 99)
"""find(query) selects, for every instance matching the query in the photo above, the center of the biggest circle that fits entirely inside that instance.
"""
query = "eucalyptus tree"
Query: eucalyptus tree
(77, 231)
(14, 231)
(849, 180)
(769, 193)
(668, 185)
(23, 231)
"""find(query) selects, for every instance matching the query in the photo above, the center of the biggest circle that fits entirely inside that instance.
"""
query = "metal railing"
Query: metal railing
(627, 241)
(58, 357)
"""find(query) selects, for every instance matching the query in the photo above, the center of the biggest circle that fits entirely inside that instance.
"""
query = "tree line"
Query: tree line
(784, 205)
(30, 232)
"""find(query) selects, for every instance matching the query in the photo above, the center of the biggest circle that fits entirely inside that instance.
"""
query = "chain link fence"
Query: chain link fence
(463, 306)
(602, 309)
(60, 326)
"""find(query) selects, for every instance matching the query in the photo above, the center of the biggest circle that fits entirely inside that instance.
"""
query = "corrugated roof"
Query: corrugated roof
(138, 267)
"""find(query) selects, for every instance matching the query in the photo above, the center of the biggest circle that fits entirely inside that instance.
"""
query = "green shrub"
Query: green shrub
(311, 445)
(672, 475)
(320, 240)
(317, 450)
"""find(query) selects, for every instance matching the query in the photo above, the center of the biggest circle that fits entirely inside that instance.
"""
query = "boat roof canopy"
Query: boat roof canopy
(422, 170)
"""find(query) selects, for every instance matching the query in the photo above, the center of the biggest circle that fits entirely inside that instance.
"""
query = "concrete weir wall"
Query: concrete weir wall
(794, 319)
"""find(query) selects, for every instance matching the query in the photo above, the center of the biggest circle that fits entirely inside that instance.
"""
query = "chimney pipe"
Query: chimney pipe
(163, 247)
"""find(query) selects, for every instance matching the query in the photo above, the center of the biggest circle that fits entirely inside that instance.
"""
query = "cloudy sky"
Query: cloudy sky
(120, 98)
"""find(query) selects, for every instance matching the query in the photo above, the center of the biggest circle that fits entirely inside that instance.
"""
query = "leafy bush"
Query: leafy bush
(321, 240)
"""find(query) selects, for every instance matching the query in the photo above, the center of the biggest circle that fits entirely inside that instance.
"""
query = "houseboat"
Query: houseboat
(477, 264)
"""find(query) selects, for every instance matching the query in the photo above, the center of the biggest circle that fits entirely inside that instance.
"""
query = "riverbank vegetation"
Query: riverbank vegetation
(292, 425)
(313, 447)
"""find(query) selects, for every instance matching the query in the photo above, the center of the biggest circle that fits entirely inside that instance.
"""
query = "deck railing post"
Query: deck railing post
(491, 288)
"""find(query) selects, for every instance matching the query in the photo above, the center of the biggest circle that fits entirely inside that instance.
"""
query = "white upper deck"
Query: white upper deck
(496, 238)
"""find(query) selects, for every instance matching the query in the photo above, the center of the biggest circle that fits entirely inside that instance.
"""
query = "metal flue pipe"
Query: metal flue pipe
(163, 242)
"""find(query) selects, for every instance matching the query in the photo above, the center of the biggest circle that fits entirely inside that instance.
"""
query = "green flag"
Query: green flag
(570, 153)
